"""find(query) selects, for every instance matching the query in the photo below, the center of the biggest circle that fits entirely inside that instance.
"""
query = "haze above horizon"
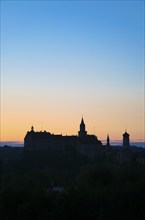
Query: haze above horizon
(62, 59)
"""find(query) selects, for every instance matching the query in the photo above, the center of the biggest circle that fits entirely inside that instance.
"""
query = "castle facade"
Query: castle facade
(38, 141)
(82, 143)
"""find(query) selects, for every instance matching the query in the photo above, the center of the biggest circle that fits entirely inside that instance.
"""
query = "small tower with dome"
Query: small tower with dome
(126, 142)
(32, 129)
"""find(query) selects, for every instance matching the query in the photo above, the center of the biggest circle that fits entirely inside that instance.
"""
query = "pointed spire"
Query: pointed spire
(82, 131)
(108, 140)
(82, 122)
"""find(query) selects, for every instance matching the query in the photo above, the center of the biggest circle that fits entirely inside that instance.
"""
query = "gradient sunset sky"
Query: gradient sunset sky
(64, 59)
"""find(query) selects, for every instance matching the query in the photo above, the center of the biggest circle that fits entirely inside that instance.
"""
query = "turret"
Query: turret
(32, 129)
(126, 139)
(108, 140)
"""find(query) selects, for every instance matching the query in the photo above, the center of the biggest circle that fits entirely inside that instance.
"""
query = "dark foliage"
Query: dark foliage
(93, 189)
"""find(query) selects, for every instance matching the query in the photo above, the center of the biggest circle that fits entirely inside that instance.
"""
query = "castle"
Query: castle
(83, 143)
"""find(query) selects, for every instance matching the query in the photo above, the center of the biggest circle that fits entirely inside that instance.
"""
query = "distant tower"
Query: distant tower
(126, 139)
(82, 132)
(108, 140)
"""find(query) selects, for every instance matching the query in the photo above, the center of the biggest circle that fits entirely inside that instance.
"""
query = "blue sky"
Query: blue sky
(73, 58)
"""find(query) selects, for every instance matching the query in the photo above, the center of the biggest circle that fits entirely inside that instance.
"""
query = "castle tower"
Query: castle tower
(82, 132)
(126, 139)
(108, 140)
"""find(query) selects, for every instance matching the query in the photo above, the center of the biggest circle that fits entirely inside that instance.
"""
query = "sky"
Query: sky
(61, 60)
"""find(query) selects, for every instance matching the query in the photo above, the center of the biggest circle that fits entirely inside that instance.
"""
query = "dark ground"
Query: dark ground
(96, 189)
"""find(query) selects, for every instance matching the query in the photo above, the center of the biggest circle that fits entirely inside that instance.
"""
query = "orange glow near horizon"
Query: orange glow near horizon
(63, 117)
(15, 128)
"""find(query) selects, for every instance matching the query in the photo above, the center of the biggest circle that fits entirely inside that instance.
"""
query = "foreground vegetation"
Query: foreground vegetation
(96, 189)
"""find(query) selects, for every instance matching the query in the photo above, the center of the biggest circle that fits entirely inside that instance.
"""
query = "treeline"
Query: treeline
(96, 189)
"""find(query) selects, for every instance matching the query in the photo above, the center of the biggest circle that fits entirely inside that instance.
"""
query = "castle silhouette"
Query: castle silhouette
(83, 143)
